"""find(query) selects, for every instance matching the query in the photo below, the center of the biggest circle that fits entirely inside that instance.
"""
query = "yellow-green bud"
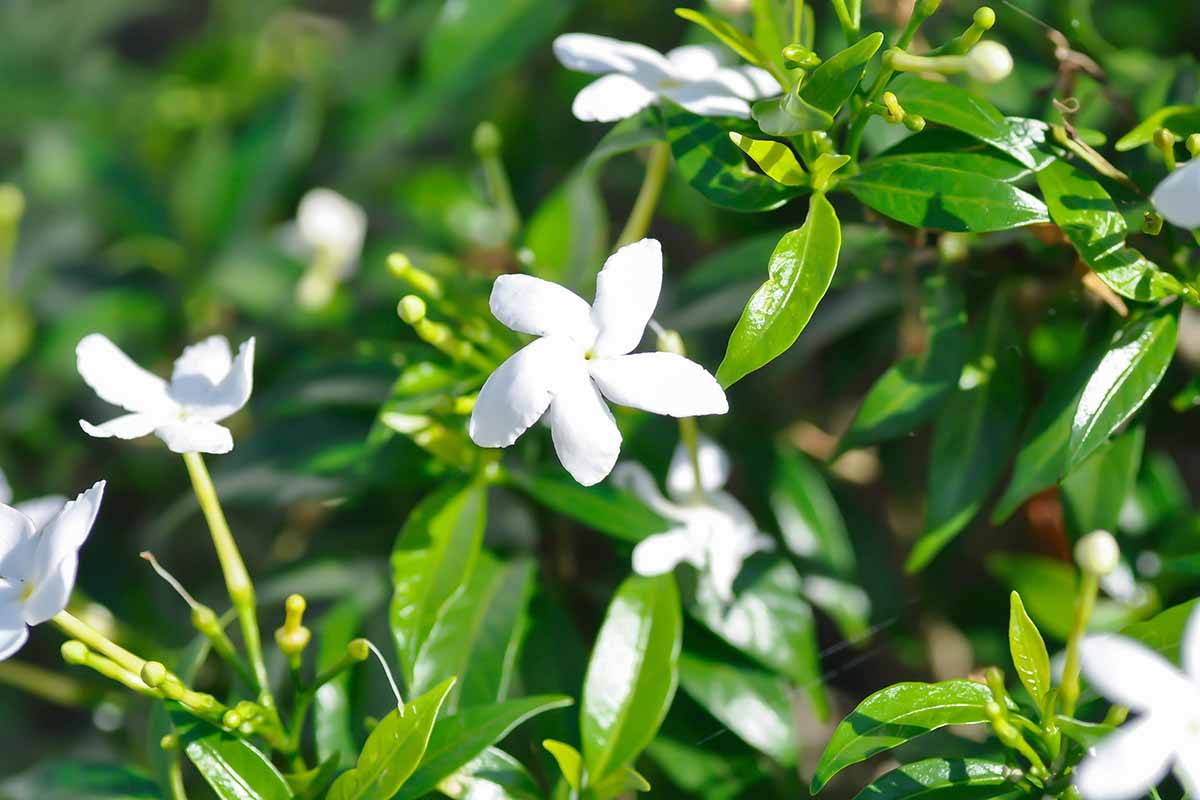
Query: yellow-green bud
(797, 55)
(12, 203)
(487, 140)
(293, 637)
(359, 650)
(672, 342)
(169, 742)
(74, 652)
(205, 620)
(914, 122)
(153, 674)
(984, 18)
(232, 719)
(1152, 223)
(1193, 144)
(1163, 139)
(989, 62)
(411, 309)
(398, 264)
(1098, 553)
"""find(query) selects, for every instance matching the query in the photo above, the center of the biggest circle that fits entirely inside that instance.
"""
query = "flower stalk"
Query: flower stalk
(638, 224)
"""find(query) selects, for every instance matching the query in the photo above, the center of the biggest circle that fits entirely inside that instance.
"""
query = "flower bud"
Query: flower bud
(293, 637)
(797, 55)
(1192, 143)
(989, 62)
(359, 650)
(984, 18)
(153, 674)
(12, 203)
(169, 743)
(1098, 553)
(74, 652)
(411, 309)
(231, 719)
(486, 140)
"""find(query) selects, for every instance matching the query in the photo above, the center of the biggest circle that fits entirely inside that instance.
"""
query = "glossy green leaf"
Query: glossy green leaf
(945, 191)
(1028, 650)
(602, 507)
(1047, 587)
(492, 775)
(461, 737)
(790, 115)
(955, 107)
(434, 554)
(569, 760)
(1087, 734)
(751, 703)
(393, 750)
(633, 673)
(479, 634)
(808, 516)
(897, 714)
(1094, 491)
(972, 439)
(800, 271)
(618, 783)
(715, 167)
(910, 392)
(1179, 120)
(79, 780)
(831, 84)
(1089, 218)
(774, 158)
(312, 784)
(1163, 632)
(944, 779)
(233, 768)
(730, 36)
(332, 717)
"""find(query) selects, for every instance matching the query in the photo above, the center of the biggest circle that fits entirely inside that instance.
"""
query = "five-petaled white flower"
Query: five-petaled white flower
(583, 357)
(634, 76)
(207, 386)
(1130, 762)
(1177, 197)
(40, 509)
(38, 564)
(715, 532)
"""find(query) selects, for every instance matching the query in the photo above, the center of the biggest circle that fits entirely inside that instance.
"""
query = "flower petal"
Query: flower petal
(661, 383)
(531, 305)
(517, 394)
(1177, 198)
(209, 391)
(662, 552)
(209, 359)
(5, 490)
(626, 293)
(195, 435)
(714, 469)
(586, 52)
(41, 510)
(1190, 647)
(710, 98)
(232, 394)
(762, 83)
(128, 426)
(637, 480)
(693, 62)
(611, 98)
(117, 379)
(1187, 770)
(57, 556)
(17, 545)
(727, 551)
(329, 222)
(585, 434)
(1130, 674)
(13, 633)
(1128, 763)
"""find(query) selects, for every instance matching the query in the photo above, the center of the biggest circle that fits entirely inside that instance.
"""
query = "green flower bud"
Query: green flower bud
(359, 650)
(232, 719)
(486, 140)
(74, 652)
(984, 18)
(12, 203)
(1098, 553)
(411, 309)
(1192, 143)
(293, 637)
(153, 674)
(169, 743)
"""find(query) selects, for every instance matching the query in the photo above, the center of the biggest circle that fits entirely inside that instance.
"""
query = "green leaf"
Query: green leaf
(479, 634)
(972, 439)
(909, 393)
(770, 621)
(946, 191)
(789, 115)
(1065, 430)
(494, 775)
(393, 750)
(955, 107)
(609, 510)
(1163, 633)
(897, 714)
(944, 779)
(1047, 587)
(461, 737)
(774, 158)
(800, 271)
(1087, 734)
(234, 768)
(620, 782)
(808, 516)
(569, 760)
(79, 780)
(1089, 218)
(734, 39)
(633, 672)
(433, 555)
(751, 703)
(1179, 120)
(831, 84)
(1028, 651)
(715, 167)
(313, 783)
(1094, 491)
(332, 723)
(568, 233)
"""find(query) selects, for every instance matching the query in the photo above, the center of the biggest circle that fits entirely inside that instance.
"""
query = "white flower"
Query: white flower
(1177, 198)
(715, 533)
(581, 359)
(207, 386)
(1166, 732)
(38, 564)
(332, 227)
(41, 509)
(989, 62)
(634, 76)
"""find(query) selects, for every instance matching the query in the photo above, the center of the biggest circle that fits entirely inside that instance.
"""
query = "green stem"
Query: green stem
(237, 579)
(76, 628)
(647, 200)
(1086, 601)
(58, 689)
(175, 777)
(846, 20)
(689, 432)
(500, 190)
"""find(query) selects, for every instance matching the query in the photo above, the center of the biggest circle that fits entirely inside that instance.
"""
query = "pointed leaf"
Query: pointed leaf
(494, 775)
(569, 760)
(1179, 120)
(831, 84)
(1094, 491)
(944, 779)
(611, 511)
(620, 782)
(734, 39)
(808, 516)
(1028, 650)
(233, 768)
(332, 723)
(774, 158)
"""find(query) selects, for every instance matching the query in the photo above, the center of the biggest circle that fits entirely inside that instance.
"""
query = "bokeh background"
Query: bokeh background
(161, 149)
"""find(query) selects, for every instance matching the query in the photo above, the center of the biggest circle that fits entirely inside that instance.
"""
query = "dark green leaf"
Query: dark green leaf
(1087, 734)
(1094, 491)
(494, 775)
(1163, 633)
(609, 510)
(1048, 588)
(618, 783)
(1179, 120)
(393, 750)
(831, 84)
(808, 516)
(568, 233)
(944, 779)
(800, 271)
(79, 780)
(896, 714)
(946, 191)
(1028, 650)
(332, 723)
(234, 768)
(633, 672)
(462, 737)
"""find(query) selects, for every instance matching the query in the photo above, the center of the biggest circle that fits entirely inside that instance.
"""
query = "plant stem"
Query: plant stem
(647, 198)
(59, 689)
(846, 20)
(237, 579)
(1084, 603)
(175, 777)
(76, 628)
(689, 432)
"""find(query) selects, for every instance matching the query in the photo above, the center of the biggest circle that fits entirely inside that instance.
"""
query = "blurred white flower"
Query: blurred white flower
(1130, 762)
(38, 564)
(989, 62)
(39, 509)
(207, 386)
(329, 231)
(581, 359)
(1177, 197)
(715, 532)
(635, 76)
